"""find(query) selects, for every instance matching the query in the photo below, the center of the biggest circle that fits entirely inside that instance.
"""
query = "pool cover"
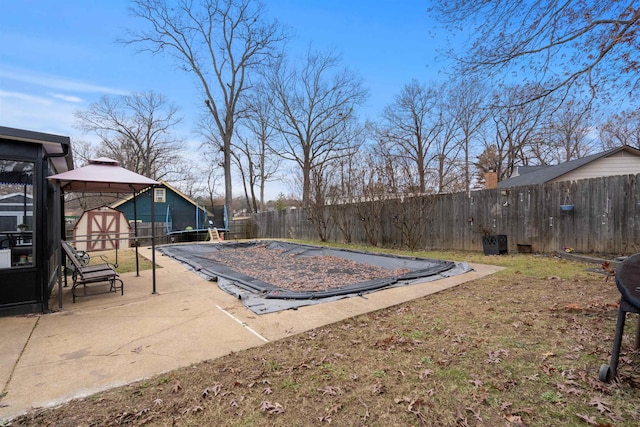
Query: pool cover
(262, 297)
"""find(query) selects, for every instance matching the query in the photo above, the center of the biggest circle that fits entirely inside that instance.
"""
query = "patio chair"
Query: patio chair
(86, 275)
(83, 257)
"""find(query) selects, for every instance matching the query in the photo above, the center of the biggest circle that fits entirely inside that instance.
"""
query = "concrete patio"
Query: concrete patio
(108, 340)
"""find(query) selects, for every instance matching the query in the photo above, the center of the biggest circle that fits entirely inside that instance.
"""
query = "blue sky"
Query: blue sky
(57, 57)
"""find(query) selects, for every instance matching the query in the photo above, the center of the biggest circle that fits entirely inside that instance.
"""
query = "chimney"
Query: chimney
(490, 180)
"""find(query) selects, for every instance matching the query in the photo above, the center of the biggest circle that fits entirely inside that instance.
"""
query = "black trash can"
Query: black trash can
(495, 244)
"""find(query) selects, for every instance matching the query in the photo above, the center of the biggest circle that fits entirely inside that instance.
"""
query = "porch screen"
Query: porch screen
(16, 213)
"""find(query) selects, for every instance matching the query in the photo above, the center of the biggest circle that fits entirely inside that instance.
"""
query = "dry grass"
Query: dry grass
(125, 260)
(521, 347)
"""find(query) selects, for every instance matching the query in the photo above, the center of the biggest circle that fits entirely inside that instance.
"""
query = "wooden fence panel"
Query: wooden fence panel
(605, 218)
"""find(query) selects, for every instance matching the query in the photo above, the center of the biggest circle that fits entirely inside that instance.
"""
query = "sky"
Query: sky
(57, 57)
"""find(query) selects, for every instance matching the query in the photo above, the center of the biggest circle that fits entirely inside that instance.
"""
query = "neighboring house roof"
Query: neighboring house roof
(533, 175)
(521, 170)
(14, 198)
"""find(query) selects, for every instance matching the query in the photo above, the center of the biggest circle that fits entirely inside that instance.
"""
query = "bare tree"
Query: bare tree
(318, 212)
(342, 178)
(240, 154)
(567, 135)
(136, 130)
(83, 151)
(221, 42)
(488, 161)
(557, 43)
(468, 110)
(212, 183)
(411, 126)
(450, 168)
(621, 129)
(515, 129)
(315, 104)
(374, 181)
(261, 162)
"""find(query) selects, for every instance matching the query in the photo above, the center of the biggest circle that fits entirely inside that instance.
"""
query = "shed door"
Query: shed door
(103, 230)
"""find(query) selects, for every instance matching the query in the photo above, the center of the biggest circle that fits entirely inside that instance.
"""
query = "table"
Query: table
(20, 243)
(628, 283)
(16, 238)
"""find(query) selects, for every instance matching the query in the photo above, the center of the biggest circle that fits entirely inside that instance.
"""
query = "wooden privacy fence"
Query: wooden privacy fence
(605, 218)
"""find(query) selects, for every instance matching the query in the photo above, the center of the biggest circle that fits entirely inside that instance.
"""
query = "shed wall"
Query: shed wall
(101, 229)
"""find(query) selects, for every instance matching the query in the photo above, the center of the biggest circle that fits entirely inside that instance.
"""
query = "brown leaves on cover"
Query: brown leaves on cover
(299, 273)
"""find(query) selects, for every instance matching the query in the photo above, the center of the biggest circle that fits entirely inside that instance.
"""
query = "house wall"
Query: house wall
(182, 213)
(621, 163)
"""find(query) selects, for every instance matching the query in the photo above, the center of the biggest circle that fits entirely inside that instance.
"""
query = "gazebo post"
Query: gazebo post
(61, 267)
(153, 238)
(135, 232)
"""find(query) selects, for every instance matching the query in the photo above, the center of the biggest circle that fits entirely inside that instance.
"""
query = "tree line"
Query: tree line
(267, 114)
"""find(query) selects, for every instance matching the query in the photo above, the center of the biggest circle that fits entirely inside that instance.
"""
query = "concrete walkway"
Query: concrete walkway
(108, 340)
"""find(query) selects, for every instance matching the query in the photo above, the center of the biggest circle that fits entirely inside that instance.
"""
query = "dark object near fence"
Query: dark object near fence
(495, 244)
(628, 283)
(524, 249)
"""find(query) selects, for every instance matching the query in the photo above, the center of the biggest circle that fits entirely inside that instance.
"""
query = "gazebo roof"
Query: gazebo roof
(102, 175)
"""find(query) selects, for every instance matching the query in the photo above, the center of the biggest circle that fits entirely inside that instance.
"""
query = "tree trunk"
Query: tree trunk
(228, 196)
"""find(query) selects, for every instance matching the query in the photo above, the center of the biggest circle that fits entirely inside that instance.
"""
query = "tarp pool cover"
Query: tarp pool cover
(262, 297)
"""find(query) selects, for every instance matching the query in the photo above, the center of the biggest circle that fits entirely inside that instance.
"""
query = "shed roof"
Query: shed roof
(542, 174)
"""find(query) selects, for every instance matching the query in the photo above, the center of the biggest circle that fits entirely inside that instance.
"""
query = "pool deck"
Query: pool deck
(108, 340)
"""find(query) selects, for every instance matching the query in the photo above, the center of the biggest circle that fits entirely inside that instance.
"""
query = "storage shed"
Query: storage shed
(101, 229)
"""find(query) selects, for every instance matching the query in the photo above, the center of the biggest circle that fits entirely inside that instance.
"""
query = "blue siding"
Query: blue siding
(179, 211)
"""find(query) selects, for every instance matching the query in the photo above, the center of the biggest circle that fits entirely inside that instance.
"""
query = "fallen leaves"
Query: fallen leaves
(329, 391)
(214, 389)
(601, 404)
(271, 408)
(547, 354)
(608, 270)
(328, 417)
(378, 388)
(587, 419)
(497, 355)
(425, 374)
(414, 405)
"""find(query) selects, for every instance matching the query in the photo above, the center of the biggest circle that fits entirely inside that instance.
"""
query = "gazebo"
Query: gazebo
(104, 175)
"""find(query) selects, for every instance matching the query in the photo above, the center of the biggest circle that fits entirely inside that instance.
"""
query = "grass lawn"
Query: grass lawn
(520, 347)
(125, 259)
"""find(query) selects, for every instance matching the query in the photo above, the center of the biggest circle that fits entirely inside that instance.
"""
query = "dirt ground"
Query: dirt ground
(512, 349)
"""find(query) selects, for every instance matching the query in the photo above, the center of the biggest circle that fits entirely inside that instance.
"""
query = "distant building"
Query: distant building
(178, 211)
(16, 209)
(623, 160)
